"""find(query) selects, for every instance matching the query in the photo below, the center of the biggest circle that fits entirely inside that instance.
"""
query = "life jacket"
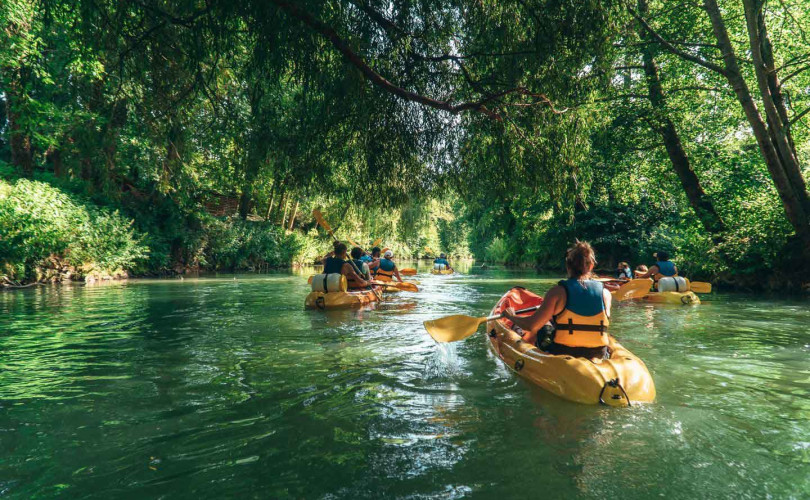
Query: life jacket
(358, 269)
(367, 258)
(584, 321)
(665, 268)
(385, 269)
(333, 265)
(441, 261)
(624, 273)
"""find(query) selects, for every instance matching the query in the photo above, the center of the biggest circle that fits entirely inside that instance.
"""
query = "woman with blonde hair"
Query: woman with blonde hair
(574, 316)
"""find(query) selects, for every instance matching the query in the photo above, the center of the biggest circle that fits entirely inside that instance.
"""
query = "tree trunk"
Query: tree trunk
(272, 202)
(700, 202)
(294, 213)
(54, 157)
(773, 101)
(794, 209)
(284, 213)
(19, 140)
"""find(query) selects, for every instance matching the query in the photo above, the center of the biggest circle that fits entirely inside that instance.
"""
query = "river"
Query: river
(224, 386)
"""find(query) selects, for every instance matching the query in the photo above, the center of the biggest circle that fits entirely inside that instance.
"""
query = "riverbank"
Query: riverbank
(53, 231)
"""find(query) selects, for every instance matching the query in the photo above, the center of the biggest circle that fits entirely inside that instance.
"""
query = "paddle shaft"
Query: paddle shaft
(520, 311)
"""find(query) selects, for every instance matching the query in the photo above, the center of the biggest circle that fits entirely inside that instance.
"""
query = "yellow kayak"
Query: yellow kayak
(442, 271)
(686, 298)
(621, 380)
(336, 300)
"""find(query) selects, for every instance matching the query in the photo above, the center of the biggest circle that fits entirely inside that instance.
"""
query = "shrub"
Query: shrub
(39, 222)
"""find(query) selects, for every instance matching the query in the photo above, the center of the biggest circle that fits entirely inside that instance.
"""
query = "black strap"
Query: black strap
(571, 327)
(325, 281)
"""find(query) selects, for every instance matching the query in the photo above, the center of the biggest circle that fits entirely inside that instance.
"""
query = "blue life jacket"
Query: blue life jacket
(366, 258)
(441, 261)
(333, 265)
(584, 300)
(386, 268)
(666, 268)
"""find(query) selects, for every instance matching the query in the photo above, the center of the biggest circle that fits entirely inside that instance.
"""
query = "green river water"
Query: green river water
(225, 387)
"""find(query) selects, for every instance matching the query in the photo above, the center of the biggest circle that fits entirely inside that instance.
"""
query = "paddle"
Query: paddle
(408, 271)
(632, 289)
(459, 326)
(404, 286)
(376, 242)
(699, 286)
(352, 243)
(319, 217)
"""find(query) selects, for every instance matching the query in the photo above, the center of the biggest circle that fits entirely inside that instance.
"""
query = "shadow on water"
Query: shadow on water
(227, 386)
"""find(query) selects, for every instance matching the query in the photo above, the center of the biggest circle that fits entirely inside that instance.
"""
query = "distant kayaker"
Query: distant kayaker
(357, 258)
(442, 260)
(365, 257)
(623, 271)
(640, 269)
(375, 255)
(663, 268)
(575, 314)
(385, 269)
(336, 262)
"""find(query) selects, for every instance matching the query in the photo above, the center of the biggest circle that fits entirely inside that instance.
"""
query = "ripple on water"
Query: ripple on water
(223, 387)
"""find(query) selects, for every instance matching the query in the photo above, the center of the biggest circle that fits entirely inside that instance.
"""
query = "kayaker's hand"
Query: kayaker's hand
(509, 313)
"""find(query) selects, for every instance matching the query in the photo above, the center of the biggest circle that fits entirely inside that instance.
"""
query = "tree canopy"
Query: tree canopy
(502, 128)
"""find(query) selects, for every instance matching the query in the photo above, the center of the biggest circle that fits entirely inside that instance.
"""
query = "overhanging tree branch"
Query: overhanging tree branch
(343, 47)
(673, 49)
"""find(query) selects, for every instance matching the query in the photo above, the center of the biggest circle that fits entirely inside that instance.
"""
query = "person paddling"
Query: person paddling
(385, 269)
(623, 271)
(575, 314)
(442, 260)
(336, 263)
(360, 264)
(663, 268)
(365, 257)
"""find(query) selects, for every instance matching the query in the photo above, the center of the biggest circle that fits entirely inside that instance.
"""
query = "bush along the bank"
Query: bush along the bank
(236, 244)
(49, 235)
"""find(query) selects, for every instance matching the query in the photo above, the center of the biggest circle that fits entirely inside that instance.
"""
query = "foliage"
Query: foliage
(498, 129)
(39, 222)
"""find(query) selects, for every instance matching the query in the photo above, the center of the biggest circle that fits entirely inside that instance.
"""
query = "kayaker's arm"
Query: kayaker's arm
(396, 273)
(348, 271)
(608, 300)
(650, 273)
(552, 303)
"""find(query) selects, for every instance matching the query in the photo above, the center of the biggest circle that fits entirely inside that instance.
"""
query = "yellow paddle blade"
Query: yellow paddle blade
(408, 287)
(404, 286)
(633, 289)
(310, 279)
(699, 286)
(353, 243)
(453, 328)
(408, 271)
(319, 217)
(376, 242)
(385, 249)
